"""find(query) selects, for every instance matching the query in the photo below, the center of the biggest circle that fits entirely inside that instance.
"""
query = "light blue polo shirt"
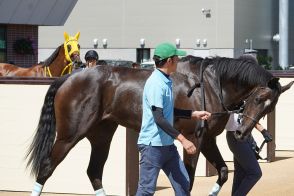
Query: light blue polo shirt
(157, 92)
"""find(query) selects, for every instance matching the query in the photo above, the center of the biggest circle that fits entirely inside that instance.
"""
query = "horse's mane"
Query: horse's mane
(248, 57)
(53, 56)
(191, 59)
(242, 70)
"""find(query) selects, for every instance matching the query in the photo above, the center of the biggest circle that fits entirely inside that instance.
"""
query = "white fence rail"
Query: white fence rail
(20, 108)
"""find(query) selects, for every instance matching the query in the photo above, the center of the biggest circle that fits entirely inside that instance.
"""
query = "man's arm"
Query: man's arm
(188, 114)
(166, 126)
(180, 113)
(163, 123)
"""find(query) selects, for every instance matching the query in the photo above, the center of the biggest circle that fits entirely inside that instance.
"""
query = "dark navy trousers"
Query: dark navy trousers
(167, 158)
(247, 170)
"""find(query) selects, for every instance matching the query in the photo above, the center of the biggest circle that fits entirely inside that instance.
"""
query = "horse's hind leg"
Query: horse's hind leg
(212, 154)
(100, 138)
(59, 151)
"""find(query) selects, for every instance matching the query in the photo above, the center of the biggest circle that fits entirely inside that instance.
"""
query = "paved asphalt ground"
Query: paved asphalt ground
(277, 180)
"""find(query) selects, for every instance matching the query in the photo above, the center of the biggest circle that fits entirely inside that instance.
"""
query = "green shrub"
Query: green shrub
(265, 61)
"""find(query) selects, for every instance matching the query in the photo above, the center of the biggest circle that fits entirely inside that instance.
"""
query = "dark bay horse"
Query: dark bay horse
(92, 103)
(59, 63)
(240, 79)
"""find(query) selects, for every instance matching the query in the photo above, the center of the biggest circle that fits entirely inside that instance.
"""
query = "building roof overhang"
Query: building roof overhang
(36, 12)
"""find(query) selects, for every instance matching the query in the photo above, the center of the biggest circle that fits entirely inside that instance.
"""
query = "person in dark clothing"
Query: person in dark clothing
(247, 170)
(91, 58)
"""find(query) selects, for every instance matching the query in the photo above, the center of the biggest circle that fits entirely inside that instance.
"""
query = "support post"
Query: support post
(283, 31)
(210, 169)
(132, 162)
(271, 126)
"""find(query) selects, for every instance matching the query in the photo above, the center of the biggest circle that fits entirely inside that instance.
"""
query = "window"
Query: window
(143, 54)
(2, 44)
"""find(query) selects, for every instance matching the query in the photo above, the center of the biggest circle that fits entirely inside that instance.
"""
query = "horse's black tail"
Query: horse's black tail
(42, 144)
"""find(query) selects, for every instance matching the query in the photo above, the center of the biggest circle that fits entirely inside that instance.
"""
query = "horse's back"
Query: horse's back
(7, 69)
(116, 92)
(106, 73)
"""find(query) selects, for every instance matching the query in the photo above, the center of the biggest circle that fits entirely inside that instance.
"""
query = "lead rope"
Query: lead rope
(199, 131)
(259, 150)
(203, 107)
(203, 128)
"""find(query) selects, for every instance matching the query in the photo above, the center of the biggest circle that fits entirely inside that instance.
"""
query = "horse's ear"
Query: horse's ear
(286, 87)
(66, 36)
(273, 82)
(77, 36)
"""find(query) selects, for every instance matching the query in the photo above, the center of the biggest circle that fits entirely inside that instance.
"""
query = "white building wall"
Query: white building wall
(123, 23)
(125, 54)
(255, 20)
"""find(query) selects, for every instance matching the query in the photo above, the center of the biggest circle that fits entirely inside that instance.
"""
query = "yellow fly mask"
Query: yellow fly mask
(71, 48)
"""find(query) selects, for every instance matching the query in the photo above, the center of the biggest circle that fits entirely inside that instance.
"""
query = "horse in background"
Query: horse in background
(61, 62)
(94, 102)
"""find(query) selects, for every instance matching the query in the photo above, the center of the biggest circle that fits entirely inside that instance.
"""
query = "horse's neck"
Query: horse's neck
(212, 91)
(223, 95)
(58, 64)
(188, 69)
(233, 94)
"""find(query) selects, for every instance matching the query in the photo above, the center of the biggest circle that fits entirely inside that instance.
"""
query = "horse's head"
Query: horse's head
(261, 101)
(72, 48)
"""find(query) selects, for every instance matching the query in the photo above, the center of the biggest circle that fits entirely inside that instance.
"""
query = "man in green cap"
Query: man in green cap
(157, 135)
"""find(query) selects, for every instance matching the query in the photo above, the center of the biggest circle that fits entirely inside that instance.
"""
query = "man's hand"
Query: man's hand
(187, 145)
(266, 135)
(202, 115)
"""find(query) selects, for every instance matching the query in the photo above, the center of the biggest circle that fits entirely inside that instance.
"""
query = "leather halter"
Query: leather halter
(203, 126)
(241, 106)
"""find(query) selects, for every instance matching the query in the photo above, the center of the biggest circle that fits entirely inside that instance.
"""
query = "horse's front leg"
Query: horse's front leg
(212, 154)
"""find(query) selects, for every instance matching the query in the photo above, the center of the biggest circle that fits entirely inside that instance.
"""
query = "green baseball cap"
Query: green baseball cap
(166, 50)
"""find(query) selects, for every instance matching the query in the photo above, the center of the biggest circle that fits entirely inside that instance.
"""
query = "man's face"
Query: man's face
(91, 62)
(173, 63)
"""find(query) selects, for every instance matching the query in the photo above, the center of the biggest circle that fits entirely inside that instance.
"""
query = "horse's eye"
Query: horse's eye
(68, 48)
(257, 100)
(79, 46)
